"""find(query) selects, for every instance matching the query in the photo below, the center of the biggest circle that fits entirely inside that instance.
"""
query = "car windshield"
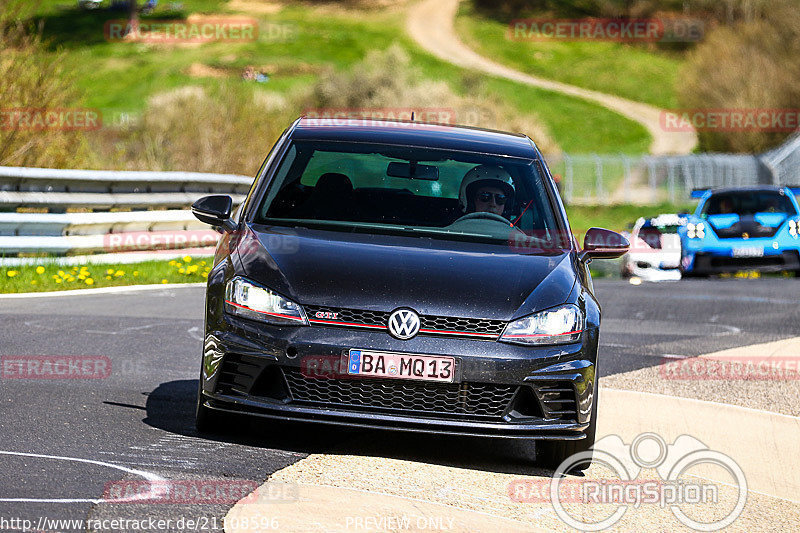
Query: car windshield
(749, 203)
(411, 191)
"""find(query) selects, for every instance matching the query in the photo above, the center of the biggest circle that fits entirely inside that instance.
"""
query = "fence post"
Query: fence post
(568, 183)
(671, 180)
(651, 178)
(626, 165)
(598, 171)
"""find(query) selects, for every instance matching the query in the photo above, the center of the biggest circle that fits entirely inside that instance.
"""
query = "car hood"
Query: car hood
(384, 272)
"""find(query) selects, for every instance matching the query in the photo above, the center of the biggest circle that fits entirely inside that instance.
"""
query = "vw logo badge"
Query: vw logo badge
(404, 324)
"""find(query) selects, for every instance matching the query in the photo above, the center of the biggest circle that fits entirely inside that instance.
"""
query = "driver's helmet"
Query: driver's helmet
(484, 176)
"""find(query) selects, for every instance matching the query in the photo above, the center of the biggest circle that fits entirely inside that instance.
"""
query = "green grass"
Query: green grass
(47, 276)
(617, 217)
(118, 77)
(630, 71)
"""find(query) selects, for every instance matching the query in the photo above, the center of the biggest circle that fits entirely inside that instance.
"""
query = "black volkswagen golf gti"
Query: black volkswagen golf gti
(404, 276)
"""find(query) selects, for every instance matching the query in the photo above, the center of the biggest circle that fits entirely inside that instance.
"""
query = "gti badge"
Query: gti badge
(403, 324)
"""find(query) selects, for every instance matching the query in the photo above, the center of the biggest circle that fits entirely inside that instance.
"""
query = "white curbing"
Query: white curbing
(102, 290)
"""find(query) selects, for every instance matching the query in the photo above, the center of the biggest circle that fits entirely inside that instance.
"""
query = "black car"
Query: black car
(404, 276)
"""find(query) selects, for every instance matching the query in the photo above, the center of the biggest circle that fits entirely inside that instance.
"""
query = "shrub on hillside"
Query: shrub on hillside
(193, 130)
(750, 65)
(33, 81)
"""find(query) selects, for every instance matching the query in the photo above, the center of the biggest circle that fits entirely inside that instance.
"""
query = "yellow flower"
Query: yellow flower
(119, 273)
(82, 276)
(173, 263)
(61, 273)
(205, 274)
(187, 259)
(135, 272)
(11, 273)
(164, 281)
(89, 281)
(181, 271)
(70, 279)
(202, 263)
(33, 282)
(40, 270)
(58, 280)
(108, 277)
(110, 271)
(192, 269)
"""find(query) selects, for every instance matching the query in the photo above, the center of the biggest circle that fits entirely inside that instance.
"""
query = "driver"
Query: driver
(487, 188)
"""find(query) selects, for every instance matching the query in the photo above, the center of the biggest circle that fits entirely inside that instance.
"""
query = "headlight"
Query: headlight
(696, 231)
(794, 226)
(559, 325)
(243, 298)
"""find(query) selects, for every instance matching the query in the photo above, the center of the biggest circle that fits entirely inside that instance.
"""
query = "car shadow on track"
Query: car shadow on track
(171, 407)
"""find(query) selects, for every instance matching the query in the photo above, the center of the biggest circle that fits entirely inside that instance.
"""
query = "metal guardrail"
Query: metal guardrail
(60, 189)
(32, 224)
(163, 222)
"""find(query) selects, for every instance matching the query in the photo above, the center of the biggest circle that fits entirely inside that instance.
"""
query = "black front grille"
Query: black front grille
(454, 400)
(748, 262)
(752, 228)
(429, 325)
(347, 316)
(557, 399)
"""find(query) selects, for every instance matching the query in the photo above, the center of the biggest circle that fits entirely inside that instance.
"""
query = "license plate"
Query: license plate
(401, 366)
(750, 251)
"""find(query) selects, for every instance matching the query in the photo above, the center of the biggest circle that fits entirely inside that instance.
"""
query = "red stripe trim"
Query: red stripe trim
(445, 332)
(541, 335)
(336, 322)
(289, 317)
(375, 326)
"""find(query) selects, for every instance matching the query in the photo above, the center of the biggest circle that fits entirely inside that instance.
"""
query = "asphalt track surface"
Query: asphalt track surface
(140, 417)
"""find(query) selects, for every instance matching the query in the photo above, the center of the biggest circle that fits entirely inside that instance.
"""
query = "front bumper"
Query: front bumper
(717, 261)
(501, 390)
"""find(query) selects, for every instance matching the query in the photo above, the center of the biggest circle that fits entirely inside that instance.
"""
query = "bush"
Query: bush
(190, 129)
(750, 65)
(33, 78)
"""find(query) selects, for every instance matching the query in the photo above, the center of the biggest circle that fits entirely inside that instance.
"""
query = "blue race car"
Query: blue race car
(752, 228)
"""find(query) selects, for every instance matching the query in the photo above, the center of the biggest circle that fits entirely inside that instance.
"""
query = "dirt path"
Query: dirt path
(431, 24)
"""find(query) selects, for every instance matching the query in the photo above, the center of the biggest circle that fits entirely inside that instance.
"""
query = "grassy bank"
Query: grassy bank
(46, 276)
(617, 217)
(119, 78)
(633, 72)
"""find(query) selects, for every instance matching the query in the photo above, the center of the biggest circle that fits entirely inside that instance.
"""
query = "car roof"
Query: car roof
(407, 133)
(754, 188)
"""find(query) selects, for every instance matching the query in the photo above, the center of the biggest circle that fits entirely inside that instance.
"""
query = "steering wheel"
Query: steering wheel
(484, 215)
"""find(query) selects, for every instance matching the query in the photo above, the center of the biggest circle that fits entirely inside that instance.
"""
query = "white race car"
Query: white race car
(655, 251)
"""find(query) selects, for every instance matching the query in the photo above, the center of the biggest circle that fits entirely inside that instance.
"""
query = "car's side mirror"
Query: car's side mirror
(215, 210)
(601, 243)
